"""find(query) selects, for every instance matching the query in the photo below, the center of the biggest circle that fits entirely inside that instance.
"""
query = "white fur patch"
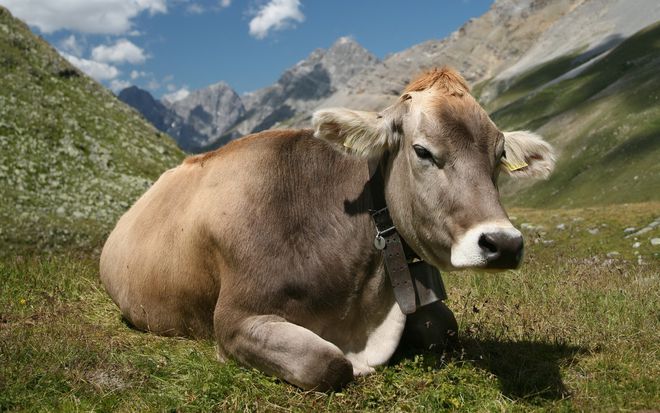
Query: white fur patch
(381, 344)
(468, 253)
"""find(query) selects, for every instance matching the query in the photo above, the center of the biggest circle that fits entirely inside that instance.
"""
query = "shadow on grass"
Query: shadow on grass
(527, 370)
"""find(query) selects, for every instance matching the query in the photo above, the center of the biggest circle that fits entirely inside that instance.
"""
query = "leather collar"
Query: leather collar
(415, 282)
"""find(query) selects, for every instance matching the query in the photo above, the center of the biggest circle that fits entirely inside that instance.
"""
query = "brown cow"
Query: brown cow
(267, 244)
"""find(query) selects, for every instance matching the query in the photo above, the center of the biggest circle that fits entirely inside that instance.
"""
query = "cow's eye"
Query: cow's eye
(423, 153)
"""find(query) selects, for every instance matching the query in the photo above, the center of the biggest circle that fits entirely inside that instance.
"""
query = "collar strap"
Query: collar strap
(415, 282)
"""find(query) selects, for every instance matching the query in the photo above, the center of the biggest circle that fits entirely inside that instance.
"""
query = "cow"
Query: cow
(266, 245)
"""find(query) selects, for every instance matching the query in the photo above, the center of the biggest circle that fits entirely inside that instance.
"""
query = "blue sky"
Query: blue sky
(172, 46)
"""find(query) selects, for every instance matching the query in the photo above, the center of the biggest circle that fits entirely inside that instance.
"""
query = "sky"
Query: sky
(171, 47)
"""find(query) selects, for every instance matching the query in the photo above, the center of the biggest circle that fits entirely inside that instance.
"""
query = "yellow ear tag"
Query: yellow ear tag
(513, 167)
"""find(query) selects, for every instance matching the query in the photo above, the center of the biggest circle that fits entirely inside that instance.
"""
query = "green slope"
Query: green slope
(605, 123)
(72, 157)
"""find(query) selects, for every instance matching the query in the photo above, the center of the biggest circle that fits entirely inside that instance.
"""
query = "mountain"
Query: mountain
(579, 72)
(204, 116)
(72, 157)
(153, 110)
(211, 116)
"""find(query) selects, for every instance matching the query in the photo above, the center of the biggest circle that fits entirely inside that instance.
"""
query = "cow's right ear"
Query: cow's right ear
(365, 134)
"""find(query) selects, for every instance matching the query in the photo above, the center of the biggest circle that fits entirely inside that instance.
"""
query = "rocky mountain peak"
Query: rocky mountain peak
(205, 115)
(345, 59)
(152, 110)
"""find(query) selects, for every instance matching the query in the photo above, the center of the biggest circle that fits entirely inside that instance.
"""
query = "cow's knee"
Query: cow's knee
(288, 351)
(430, 328)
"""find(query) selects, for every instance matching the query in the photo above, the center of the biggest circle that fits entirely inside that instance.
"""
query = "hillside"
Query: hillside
(604, 121)
(72, 157)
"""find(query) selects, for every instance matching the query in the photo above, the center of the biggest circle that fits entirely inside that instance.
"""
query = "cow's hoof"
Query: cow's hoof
(362, 370)
(338, 372)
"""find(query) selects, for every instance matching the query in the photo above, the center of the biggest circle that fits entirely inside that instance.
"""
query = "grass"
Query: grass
(577, 328)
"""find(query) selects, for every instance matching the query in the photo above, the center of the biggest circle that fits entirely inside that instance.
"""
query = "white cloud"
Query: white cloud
(71, 45)
(117, 85)
(194, 8)
(153, 85)
(225, 3)
(122, 51)
(170, 87)
(97, 70)
(87, 16)
(136, 74)
(276, 15)
(176, 96)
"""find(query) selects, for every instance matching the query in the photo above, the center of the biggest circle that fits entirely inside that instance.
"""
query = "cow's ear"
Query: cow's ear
(527, 155)
(366, 134)
(357, 132)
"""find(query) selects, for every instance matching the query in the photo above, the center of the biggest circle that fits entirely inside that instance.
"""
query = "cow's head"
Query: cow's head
(444, 155)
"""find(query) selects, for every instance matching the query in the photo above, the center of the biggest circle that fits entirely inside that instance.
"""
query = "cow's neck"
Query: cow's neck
(415, 282)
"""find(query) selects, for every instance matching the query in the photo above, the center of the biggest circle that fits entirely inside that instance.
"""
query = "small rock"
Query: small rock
(636, 244)
(593, 231)
(526, 225)
(561, 226)
(613, 254)
(655, 241)
(643, 231)
(629, 230)
(548, 241)
(60, 211)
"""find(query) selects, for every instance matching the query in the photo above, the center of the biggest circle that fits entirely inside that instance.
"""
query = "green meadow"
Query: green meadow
(577, 328)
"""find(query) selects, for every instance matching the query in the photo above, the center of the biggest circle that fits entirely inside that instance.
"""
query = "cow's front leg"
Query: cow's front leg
(430, 328)
(275, 346)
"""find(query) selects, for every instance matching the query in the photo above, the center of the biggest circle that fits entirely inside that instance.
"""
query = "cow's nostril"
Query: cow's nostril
(486, 243)
(502, 249)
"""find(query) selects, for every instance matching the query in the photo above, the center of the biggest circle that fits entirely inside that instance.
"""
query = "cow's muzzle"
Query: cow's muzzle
(502, 249)
(494, 245)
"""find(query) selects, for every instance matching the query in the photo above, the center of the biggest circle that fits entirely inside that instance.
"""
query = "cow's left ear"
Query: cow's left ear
(527, 155)
(365, 134)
